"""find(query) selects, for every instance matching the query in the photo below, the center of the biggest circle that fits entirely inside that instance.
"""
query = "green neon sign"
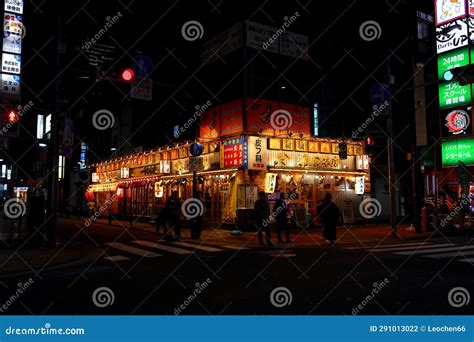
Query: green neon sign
(453, 59)
(453, 151)
(453, 94)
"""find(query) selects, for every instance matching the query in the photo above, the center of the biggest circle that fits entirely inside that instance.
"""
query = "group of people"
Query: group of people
(328, 212)
(169, 216)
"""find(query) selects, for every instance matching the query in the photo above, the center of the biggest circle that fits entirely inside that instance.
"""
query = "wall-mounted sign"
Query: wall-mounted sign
(455, 150)
(40, 126)
(165, 166)
(11, 43)
(451, 60)
(159, 190)
(452, 35)
(13, 24)
(10, 85)
(124, 172)
(95, 177)
(458, 121)
(362, 162)
(257, 153)
(360, 185)
(270, 182)
(11, 63)
(14, 6)
(234, 153)
(453, 94)
(447, 10)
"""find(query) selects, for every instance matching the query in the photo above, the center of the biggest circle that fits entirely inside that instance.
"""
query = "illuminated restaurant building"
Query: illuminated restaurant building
(237, 163)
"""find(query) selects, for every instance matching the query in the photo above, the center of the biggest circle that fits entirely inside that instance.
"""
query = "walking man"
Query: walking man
(173, 209)
(280, 212)
(330, 215)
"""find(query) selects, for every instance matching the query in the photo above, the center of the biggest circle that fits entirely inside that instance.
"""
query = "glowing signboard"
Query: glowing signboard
(455, 150)
(453, 94)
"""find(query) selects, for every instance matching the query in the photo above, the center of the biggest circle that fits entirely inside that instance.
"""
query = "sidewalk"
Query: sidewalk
(20, 256)
(347, 236)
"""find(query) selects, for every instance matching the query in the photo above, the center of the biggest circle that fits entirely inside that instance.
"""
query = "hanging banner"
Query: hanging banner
(257, 153)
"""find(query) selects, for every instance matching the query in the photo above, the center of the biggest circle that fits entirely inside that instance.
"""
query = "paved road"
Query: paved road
(147, 276)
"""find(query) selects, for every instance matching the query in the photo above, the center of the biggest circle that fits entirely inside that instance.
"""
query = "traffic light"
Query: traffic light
(127, 75)
(368, 144)
(464, 75)
(343, 151)
(12, 116)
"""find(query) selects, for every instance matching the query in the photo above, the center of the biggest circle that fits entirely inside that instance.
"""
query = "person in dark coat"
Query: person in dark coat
(173, 209)
(280, 212)
(330, 216)
(197, 222)
(262, 218)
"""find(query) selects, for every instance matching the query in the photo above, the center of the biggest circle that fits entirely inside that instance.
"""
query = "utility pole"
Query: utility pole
(390, 159)
(53, 152)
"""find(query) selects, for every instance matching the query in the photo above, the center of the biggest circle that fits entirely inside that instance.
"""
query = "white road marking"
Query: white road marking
(116, 258)
(449, 255)
(410, 248)
(170, 249)
(451, 249)
(141, 252)
(195, 246)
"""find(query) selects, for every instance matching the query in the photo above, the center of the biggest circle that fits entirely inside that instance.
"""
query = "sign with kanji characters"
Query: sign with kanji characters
(360, 185)
(234, 153)
(142, 89)
(453, 94)
(13, 24)
(270, 182)
(10, 85)
(14, 6)
(452, 35)
(457, 122)
(11, 63)
(453, 59)
(258, 153)
(456, 150)
(196, 164)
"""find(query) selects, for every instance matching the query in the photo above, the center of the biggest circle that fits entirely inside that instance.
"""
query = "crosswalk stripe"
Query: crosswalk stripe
(141, 252)
(408, 248)
(116, 258)
(163, 247)
(238, 248)
(390, 246)
(471, 260)
(455, 248)
(449, 255)
(195, 246)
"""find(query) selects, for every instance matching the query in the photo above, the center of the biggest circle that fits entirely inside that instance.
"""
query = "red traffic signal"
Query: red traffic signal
(127, 75)
(369, 140)
(12, 116)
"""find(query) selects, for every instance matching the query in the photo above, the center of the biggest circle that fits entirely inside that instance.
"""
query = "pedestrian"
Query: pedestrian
(197, 222)
(173, 208)
(330, 216)
(160, 216)
(280, 212)
(261, 214)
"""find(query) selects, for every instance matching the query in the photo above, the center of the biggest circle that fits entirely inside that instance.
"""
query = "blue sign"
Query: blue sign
(380, 93)
(142, 65)
(196, 149)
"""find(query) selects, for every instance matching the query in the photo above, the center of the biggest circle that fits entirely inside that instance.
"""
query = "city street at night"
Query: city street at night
(212, 164)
